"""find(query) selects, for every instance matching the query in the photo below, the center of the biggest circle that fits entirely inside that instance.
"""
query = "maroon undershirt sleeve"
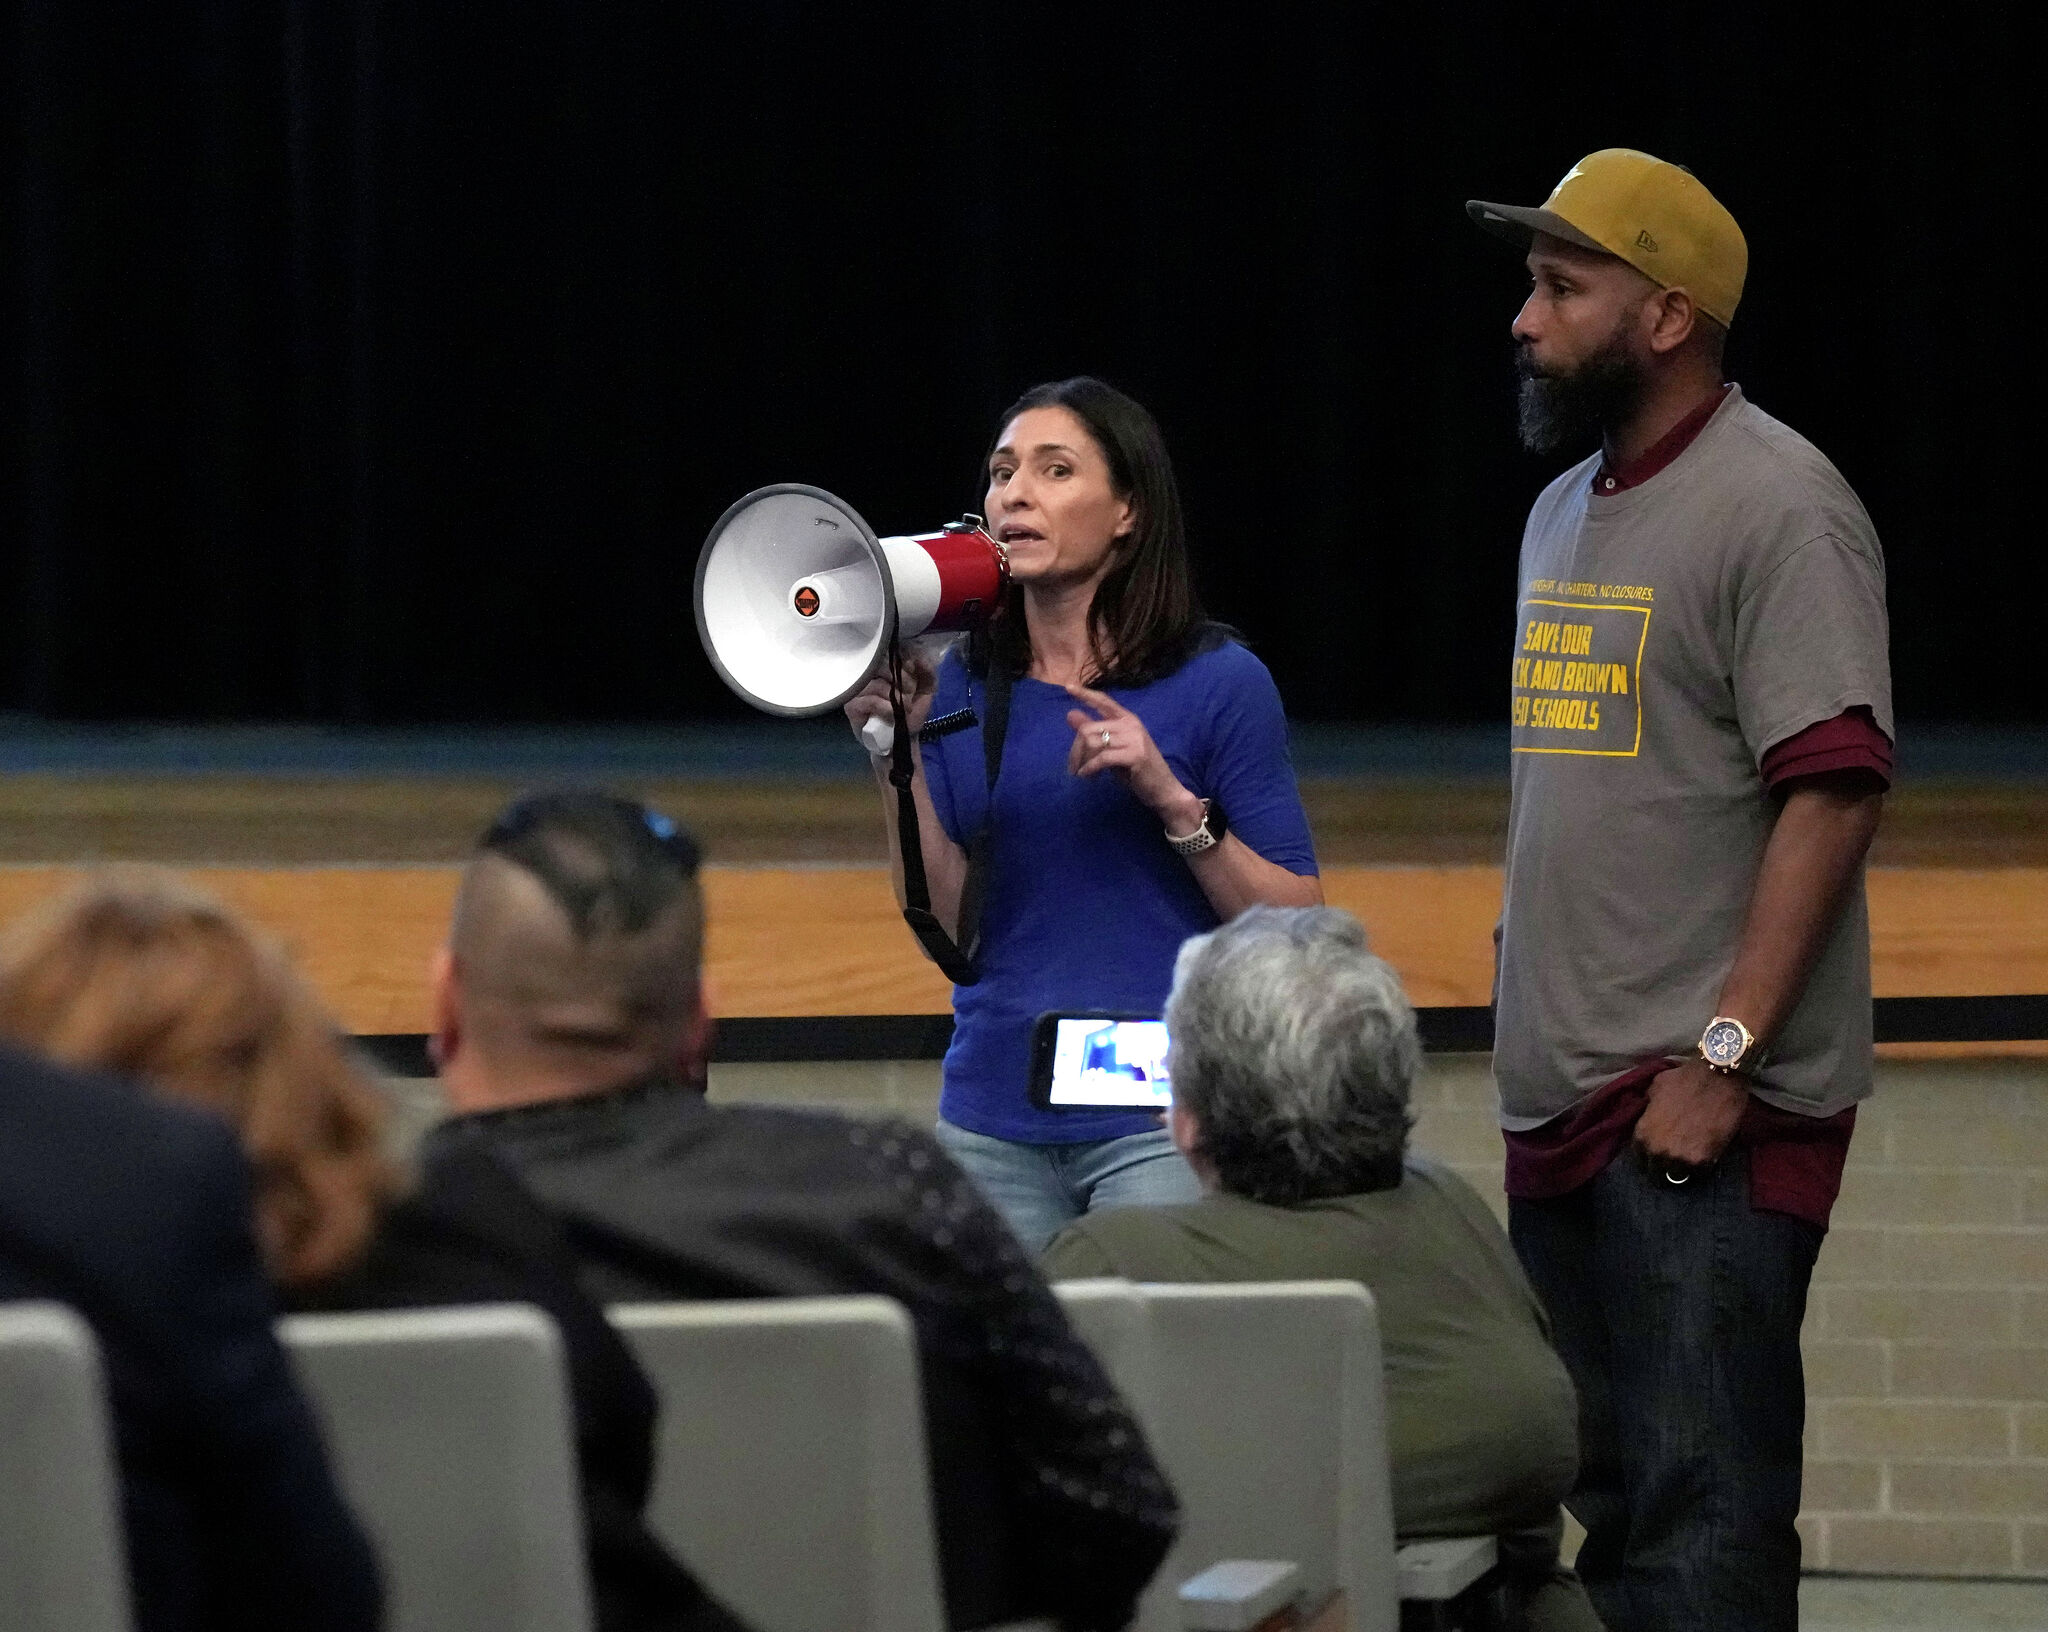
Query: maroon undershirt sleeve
(1851, 741)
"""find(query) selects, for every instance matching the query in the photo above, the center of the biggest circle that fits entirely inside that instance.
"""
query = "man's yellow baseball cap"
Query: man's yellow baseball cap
(1653, 215)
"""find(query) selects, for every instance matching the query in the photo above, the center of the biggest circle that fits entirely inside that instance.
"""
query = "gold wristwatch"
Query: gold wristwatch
(1728, 1046)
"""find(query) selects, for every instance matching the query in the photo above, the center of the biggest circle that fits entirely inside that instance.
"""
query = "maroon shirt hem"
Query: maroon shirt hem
(1795, 1161)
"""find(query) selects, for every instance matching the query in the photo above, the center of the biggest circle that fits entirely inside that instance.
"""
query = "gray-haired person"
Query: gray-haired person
(1294, 1051)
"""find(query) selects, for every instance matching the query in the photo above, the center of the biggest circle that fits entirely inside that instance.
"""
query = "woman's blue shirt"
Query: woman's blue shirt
(1085, 904)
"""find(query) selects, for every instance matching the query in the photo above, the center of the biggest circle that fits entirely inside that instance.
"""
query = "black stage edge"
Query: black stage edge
(758, 1041)
(755, 1041)
(1961, 1019)
(397, 1053)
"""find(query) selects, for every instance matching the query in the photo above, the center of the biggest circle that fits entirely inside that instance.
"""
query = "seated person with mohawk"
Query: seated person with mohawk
(571, 1039)
(1293, 1051)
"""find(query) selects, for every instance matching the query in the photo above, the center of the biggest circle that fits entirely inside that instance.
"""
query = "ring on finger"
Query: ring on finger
(1105, 739)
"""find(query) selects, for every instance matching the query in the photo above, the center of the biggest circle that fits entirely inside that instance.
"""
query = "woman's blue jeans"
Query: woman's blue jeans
(1040, 1189)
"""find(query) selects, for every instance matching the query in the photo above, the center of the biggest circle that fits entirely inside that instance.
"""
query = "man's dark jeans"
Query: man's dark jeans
(1677, 1310)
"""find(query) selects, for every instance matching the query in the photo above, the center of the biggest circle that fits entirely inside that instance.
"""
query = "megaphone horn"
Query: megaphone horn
(798, 601)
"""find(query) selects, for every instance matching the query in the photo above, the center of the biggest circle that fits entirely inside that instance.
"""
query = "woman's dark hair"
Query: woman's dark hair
(1146, 620)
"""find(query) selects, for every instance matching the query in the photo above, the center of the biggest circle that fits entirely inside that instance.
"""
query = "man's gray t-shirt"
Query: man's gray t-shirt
(1669, 636)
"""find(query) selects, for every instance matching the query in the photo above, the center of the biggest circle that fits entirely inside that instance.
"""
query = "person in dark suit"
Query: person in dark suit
(137, 1214)
(571, 1034)
(139, 972)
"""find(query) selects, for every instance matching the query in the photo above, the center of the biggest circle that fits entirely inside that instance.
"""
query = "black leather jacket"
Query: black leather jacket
(1047, 1500)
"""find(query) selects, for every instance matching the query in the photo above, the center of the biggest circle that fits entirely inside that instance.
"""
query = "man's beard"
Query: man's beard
(1564, 411)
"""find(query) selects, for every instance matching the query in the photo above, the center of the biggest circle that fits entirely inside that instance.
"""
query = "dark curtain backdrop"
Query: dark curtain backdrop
(373, 361)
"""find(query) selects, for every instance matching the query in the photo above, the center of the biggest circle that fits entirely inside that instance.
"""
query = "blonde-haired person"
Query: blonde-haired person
(138, 972)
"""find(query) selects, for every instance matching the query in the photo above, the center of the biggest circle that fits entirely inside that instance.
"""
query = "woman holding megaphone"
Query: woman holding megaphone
(1144, 794)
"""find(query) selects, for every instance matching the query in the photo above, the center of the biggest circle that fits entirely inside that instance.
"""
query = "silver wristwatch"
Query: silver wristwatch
(1728, 1046)
(1207, 835)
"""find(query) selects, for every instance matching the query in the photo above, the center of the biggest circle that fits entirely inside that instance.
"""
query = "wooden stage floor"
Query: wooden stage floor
(357, 873)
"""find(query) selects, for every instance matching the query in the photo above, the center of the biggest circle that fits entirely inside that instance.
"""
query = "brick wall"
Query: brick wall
(1927, 1332)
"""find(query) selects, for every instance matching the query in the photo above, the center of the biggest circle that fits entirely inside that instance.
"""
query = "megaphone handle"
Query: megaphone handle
(878, 736)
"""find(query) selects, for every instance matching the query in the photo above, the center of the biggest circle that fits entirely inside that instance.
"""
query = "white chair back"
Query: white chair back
(1268, 1412)
(791, 1474)
(449, 1430)
(1110, 1316)
(62, 1564)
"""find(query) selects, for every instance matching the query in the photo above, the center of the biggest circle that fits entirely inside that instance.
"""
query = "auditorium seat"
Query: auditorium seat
(61, 1558)
(449, 1430)
(1111, 1318)
(791, 1472)
(1265, 1404)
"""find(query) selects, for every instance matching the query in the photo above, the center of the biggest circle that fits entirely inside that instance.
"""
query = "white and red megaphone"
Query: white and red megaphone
(798, 602)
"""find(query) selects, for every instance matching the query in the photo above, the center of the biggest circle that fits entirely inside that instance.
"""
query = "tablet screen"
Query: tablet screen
(1098, 1061)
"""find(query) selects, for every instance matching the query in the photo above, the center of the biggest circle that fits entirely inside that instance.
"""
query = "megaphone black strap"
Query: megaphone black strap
(973, 888)
(955, 958)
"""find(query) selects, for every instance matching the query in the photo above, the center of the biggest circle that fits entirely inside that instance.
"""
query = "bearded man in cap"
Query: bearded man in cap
(1701, 730)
